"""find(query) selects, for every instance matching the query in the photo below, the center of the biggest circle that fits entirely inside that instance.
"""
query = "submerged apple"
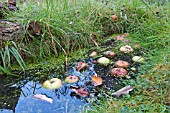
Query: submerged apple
(138, 59)
(53, 83)
(104, 61)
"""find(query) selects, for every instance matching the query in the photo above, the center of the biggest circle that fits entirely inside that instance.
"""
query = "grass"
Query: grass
(151, 93)
(69, 26)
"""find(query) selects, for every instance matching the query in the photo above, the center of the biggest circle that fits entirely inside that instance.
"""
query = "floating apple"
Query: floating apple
(109, 53)
(119, 72)
(104, 61)
(126, 49)
(137, 46)
(81, 66)
(121, 64)
(71, 79)
(114, 18)
(138, 59)
(133, 69)
(93, 54)
(53, 83)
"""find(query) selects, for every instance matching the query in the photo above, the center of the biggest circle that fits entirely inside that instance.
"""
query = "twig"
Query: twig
(91, 37)
(148, 7)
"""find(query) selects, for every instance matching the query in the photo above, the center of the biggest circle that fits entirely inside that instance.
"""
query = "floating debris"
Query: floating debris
(80, 91)
(123, 91)
(43, 97)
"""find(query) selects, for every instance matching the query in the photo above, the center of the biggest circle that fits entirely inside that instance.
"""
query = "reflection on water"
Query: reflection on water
(61, 102)
(24, 102)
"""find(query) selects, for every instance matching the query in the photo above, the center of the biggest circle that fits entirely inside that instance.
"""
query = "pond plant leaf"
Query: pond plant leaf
(97, 80)
(53, 83)
(80, 91)
(123, 91)
(71, 79)
(43, 97)
(81, 66)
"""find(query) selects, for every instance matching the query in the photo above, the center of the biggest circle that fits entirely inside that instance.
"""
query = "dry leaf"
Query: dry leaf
(43, 97)
(119, 37)
(123, 91)
(34, 28)
(81, 65)
(79, 91)
(97, 80)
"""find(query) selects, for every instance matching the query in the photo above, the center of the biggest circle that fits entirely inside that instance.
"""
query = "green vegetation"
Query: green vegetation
(70, 26)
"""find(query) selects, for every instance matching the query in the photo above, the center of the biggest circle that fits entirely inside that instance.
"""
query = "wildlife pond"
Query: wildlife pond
(19, 94)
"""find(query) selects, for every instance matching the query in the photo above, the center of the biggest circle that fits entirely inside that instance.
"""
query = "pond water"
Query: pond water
(17, 94)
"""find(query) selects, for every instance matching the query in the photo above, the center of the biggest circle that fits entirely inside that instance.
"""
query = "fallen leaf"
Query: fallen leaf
(43, 97)
(79, 91)
(119, 37)
(81, 65)
(97, 80)
(34, 28)
(123, 91)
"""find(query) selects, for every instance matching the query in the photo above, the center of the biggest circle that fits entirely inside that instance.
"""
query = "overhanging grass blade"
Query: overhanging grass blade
(18, 58)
